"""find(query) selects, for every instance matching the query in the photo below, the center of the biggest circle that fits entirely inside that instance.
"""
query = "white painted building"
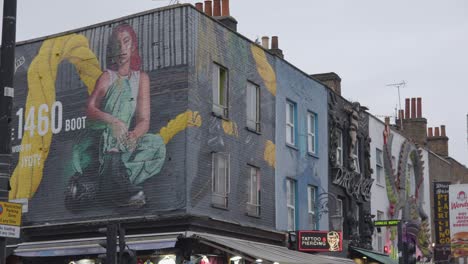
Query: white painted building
(401, 186)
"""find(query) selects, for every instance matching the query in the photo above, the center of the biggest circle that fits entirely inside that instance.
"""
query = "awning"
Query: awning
(381, 258)
(91, 246)
(268, 253)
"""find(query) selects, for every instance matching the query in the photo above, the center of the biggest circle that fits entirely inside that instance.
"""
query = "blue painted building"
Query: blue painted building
(301, 150)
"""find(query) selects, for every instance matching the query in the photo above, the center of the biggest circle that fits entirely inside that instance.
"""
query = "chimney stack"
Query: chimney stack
(419, 108)
(330, 79)
(407, 108)
(199, 6)
(414, 125)
(413, 107)
(216, 8)
(275, 48)
(265, 42)
(438, 143)
(225, 18)
(208, 8)
(225, 11)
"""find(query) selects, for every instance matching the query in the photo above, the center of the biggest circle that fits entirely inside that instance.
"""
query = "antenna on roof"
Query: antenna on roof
(398, 85)
(171, 2)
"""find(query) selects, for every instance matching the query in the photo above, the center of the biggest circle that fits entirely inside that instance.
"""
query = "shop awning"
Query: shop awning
(381, 258)
(268, 253)
(91, 246)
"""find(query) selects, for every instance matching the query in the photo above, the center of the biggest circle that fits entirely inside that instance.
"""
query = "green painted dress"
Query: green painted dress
(147, 157)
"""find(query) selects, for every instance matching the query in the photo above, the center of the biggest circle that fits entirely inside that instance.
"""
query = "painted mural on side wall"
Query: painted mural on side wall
(99, 126)
(404, 178)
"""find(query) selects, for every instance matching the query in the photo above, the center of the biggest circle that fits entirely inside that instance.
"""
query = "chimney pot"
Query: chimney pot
(431, 134)
(437, 133)
(419, 108)
(208, 8)
(216, 8)
(265, 42)
(407, 108)
(199, 6)
(413, 107)
(225, 8)
(442, 128)
(274, 42)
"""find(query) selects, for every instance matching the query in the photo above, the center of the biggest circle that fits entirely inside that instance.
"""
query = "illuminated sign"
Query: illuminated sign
(386, 222)
(320, 241)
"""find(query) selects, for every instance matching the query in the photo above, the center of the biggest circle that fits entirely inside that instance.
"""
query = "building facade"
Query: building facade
(401, 190)
(301, 151)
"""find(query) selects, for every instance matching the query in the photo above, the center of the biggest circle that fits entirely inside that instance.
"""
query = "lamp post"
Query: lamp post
(7, 71)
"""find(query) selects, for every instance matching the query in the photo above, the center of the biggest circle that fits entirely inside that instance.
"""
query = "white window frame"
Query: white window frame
(356, 157)
(311, 132)
(291, 203)
(339, 148)
(220, 90)
(412, 179)
(253, 106)
(254, 199)
(379, 165)
(290, 124)
(380, 245)
(220, 179)
(312, 208)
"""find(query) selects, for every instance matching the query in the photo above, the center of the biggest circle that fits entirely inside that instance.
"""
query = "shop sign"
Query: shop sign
(441, 205)
(320, 241)
(386, 223)
(10, 219)
(458, 198)
(354, 183)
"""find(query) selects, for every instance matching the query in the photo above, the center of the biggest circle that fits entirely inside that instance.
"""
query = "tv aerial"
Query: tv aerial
(398, 85)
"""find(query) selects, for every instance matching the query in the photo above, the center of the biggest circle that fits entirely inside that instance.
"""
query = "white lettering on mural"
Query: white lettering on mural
(43, 120)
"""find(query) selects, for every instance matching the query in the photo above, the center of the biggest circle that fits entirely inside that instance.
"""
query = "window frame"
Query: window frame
(380, 244)
(339, 148)
(221, 194)
(219, 108)
(356, 157)
(312, 133)
(378, 165)
(291, 191)
(291, 124)
(254, 125)
(312, 206)
(254, 207)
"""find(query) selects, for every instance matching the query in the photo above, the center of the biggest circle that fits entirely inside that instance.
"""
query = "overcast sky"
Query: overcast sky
(368, 43)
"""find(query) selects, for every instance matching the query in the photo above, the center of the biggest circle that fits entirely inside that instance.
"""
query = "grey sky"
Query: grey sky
(369, 43)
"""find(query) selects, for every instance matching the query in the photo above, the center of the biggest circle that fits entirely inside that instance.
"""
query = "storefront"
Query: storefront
(172, 248)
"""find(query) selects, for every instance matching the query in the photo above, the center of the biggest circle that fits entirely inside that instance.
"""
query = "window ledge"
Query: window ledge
(253, 216)
(218, 206)
(253, 130)
(313, 155)
(380, 185)
(219, 116)
(292, 146)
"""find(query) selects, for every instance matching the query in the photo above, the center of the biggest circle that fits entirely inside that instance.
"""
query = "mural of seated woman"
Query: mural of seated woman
(114, 155)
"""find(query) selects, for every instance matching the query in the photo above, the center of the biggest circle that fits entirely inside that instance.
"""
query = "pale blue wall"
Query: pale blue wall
(296, 163)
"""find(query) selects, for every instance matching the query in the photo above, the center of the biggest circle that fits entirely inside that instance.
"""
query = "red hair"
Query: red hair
(113, 48)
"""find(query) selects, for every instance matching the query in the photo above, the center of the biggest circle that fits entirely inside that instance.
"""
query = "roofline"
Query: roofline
(169, 7)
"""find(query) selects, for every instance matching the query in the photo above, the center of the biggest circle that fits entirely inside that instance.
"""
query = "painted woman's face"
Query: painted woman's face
(125, 47)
